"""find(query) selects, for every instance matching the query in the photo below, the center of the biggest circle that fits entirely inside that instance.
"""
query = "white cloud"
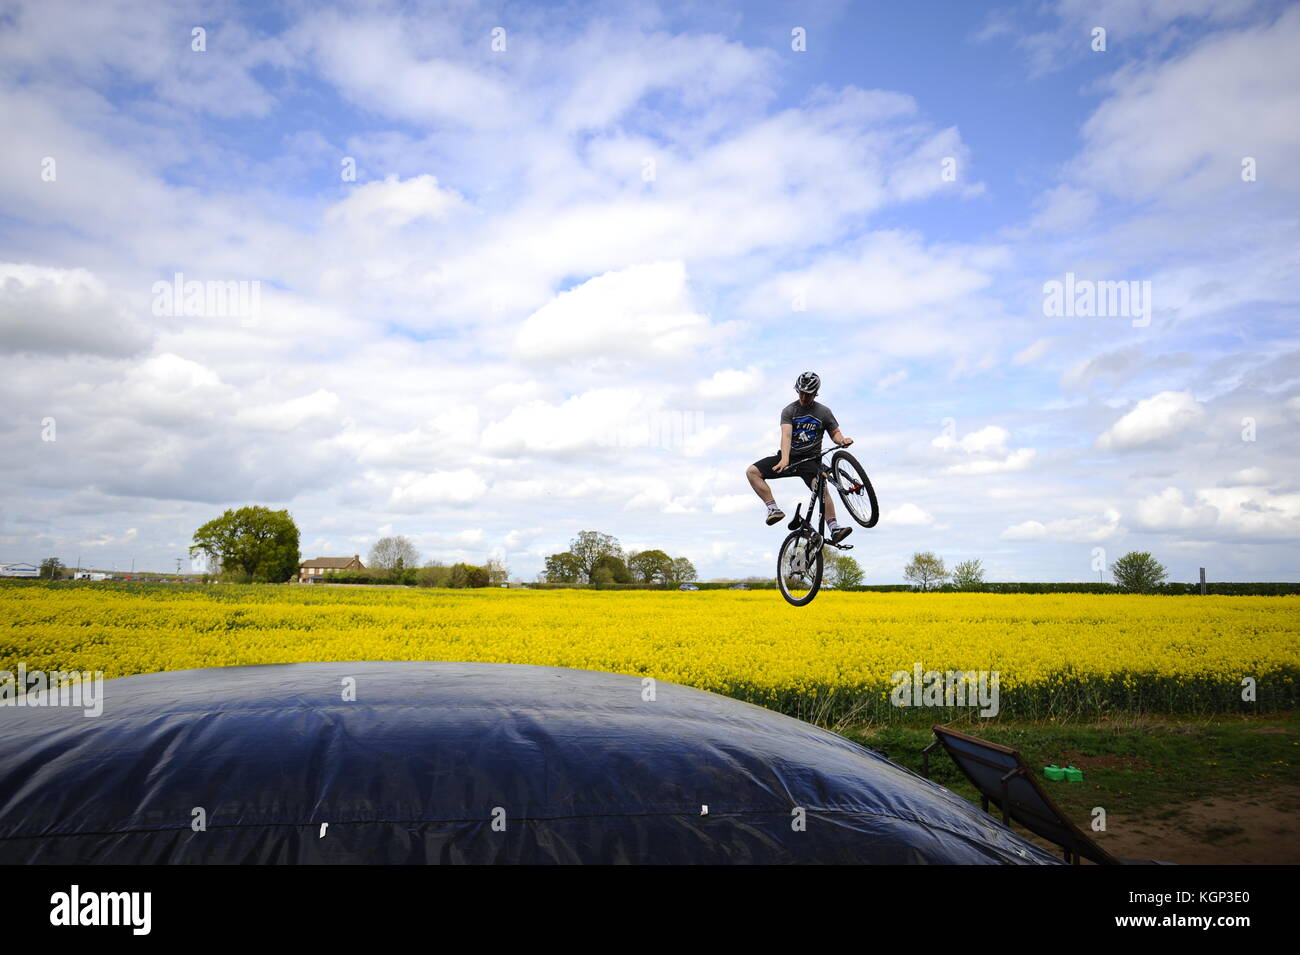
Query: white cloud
(644, 312)
(320, 406)
(1166, 511)
(1144, 141)
(1154, 419)
(63, 312)
(394, 203)
(170, 390)
(516, 539)
(1026, 530)
(1085, 529)
(1017, 460)
(604, 417)
(699, 443)
(890, 273)
(889, 381)
(1070, 38)
(1252, 476)
(907, 515)
(735, 503)
(731, 383)
(988, 446)
(441, 487)
(384, 63)
(1064, 208)
(1032, 353)
(1242, 512)
(987, 440)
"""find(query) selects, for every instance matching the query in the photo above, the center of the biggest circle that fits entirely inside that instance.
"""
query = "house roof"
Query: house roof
(328, 562)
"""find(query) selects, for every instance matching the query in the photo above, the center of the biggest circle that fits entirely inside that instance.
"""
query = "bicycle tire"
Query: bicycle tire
(859, 484)
(812, 573)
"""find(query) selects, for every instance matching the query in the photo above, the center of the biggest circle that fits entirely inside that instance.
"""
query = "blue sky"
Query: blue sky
(573, 280)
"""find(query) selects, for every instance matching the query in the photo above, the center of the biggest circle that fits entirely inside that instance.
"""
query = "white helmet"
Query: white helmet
(809, 383)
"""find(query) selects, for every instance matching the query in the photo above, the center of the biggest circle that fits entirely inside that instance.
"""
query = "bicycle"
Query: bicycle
(800, 562)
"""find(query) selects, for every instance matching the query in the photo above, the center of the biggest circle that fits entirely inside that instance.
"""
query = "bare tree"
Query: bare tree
(497, 571)
(388, 551)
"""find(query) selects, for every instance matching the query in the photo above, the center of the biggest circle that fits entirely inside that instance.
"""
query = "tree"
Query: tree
(681, 571)
(393, 553)
(650, 566)
(925, 569)
(563, 569)
(433, 574)
(1139, 572)
(968, 575)
(497, 571)
(251, 544)
(589, 546)
(467, 575)
(843, 571)
(52, 568)
(618, 572)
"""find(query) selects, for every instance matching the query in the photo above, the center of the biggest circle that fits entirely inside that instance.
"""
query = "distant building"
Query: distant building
(19, 570)
(313, 570)
(91, 575)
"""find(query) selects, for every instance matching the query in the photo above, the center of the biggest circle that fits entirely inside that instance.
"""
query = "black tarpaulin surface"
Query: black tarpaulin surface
(459, 762)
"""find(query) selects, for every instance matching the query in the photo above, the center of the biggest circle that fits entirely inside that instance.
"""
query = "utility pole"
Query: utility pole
(1202, 581)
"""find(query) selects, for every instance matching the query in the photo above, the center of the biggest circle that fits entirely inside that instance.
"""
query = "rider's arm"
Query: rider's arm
(786, 431)
(838, 437)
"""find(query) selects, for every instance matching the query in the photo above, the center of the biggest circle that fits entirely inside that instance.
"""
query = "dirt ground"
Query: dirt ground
(1260, 829)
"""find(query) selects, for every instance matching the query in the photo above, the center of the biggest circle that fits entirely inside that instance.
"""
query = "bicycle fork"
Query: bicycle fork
(817, 542)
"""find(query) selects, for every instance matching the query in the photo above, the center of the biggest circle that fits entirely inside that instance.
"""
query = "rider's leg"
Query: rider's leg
(759, 485)
(830, 505)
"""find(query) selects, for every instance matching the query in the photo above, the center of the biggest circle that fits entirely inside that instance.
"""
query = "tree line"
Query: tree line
(258, 545)
(1135, 572)
(596, 558)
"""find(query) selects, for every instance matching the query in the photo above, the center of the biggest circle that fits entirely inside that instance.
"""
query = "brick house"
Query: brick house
(316, 568)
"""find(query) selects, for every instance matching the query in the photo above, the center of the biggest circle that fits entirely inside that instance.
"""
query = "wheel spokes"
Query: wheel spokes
(854, 492)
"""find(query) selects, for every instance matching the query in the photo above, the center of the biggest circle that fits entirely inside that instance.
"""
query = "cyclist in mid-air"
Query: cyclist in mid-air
(803, 423)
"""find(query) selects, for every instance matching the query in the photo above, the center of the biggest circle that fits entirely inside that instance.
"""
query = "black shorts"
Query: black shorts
(806, 469)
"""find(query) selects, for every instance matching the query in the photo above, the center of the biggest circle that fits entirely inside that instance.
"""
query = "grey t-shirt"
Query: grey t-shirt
(807, 427)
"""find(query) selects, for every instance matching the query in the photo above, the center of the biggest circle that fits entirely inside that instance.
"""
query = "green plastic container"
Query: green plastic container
(1054, 773)
(1073, 775)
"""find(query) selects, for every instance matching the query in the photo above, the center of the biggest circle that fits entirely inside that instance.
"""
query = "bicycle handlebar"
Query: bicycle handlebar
(821, 454)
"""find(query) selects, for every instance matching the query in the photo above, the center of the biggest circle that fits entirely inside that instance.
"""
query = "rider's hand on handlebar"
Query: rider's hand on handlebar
(846, 442)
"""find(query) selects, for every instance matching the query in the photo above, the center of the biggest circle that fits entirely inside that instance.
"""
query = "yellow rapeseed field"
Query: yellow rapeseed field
(1056, 654)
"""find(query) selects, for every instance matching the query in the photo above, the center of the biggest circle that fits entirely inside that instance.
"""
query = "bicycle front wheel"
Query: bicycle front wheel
(799, 567)
(855, 488)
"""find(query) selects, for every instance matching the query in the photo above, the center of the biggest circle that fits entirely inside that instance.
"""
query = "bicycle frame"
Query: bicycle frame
(819, 490)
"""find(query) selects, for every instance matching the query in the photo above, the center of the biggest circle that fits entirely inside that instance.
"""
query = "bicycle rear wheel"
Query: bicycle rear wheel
(855, 488)
(799, 567)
